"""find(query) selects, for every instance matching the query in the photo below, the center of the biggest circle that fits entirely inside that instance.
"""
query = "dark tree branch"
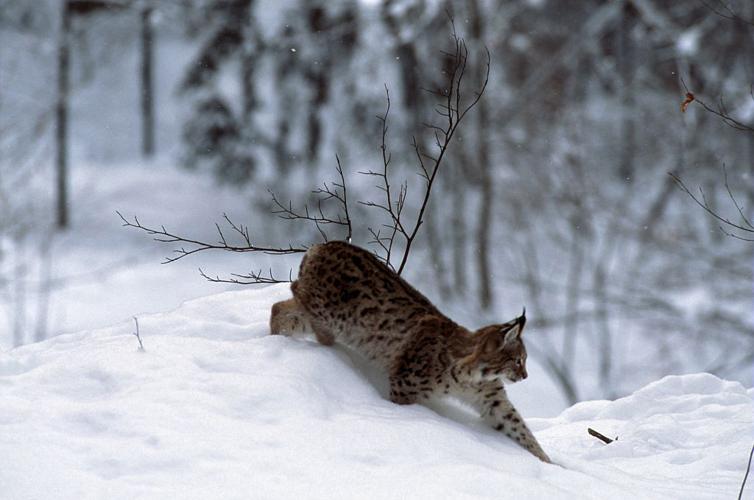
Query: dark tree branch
(453, 110)
(164, 236)
(746, 476)
(338, 192)
(391, 208)
(725, 11)
(721, 110)
(253, 278)
(194, 246)
(726, 226)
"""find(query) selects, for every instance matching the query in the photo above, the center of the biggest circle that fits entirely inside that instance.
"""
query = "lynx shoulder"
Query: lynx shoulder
(344, 294)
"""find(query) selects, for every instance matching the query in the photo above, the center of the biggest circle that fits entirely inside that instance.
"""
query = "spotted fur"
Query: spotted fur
(345, 294)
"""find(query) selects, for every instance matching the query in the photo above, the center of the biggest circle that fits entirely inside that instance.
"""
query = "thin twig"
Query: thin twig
(194, 246)
(453, 111)
(338, 192)
(726, 12)
(395, 227)
(726, 223)
(721, 111)
(252, 278)
(137, 334)
(453, 107)
(164, 236)
(746, 476)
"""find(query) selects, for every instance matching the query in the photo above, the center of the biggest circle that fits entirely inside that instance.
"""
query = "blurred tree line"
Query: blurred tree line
(556, 192)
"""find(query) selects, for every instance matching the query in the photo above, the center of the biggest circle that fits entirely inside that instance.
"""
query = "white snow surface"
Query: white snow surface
(215, 407)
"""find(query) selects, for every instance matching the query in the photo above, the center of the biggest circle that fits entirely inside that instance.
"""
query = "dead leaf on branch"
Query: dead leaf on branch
(685, 104)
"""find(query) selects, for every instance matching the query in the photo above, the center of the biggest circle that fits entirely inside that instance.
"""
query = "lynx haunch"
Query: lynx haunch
(345, 294)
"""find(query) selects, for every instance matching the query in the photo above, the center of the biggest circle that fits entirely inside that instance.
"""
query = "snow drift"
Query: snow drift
(217, 408)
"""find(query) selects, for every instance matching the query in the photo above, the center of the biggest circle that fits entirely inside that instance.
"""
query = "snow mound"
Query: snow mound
(217, 408)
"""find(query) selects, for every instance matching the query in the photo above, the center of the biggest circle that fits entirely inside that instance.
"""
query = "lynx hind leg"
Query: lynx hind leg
(288, 318)
(324, 336)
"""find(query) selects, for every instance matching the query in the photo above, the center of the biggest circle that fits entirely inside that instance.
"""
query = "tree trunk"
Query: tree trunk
(625, 56)
(19, 294)
(249, 62)
(603, 330)
(573, 297)
(250, 58)
(61, 132)
(435, 247)
(483, 161)
(458, 230)
(405, 53)
(748, 33)
(44, 291)
(248, 92)
(319, 81)
(147, 84)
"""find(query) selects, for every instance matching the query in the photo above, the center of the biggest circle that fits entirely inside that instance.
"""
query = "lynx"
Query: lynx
(345, 294)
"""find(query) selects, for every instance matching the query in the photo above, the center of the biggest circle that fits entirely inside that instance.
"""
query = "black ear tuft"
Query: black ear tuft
(521, 320)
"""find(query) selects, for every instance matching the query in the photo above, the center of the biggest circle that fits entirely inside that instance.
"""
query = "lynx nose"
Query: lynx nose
(524, 374)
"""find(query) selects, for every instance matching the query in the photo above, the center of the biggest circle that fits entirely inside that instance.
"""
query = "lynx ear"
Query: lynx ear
(515, 328)
(513, 333)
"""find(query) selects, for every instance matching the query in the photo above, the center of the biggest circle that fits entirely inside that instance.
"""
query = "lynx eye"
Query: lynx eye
(519, 362)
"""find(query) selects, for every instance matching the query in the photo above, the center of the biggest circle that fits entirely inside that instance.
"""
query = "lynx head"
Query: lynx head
(499, 352)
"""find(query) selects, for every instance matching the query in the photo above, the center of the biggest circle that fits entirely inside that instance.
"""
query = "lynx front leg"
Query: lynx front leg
(288, 317)
(406, 386)
(495, 407)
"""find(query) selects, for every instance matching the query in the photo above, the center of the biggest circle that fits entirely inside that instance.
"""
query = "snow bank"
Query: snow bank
(217, 408)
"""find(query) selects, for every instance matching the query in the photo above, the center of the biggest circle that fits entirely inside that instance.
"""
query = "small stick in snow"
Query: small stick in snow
(136, 334)
(748, 467)
(599, 436)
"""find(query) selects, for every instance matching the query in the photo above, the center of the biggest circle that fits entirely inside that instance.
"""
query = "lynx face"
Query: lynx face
(501, 353)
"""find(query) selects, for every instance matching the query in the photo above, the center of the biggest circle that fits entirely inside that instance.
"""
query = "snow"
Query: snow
(215, 407)
(101, 272)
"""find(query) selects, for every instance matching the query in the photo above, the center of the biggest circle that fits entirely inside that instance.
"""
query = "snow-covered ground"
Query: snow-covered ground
(217, 408)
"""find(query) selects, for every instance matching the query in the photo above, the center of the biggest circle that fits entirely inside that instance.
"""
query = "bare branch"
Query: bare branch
(733, 199)
(453, 109)
(137, 334)
(726, 224)
(746, 476)
(344, 199)
(253, 278)
(455, 115)
(725, 11)
(195, 246)
(338, 192)
(721, 111)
